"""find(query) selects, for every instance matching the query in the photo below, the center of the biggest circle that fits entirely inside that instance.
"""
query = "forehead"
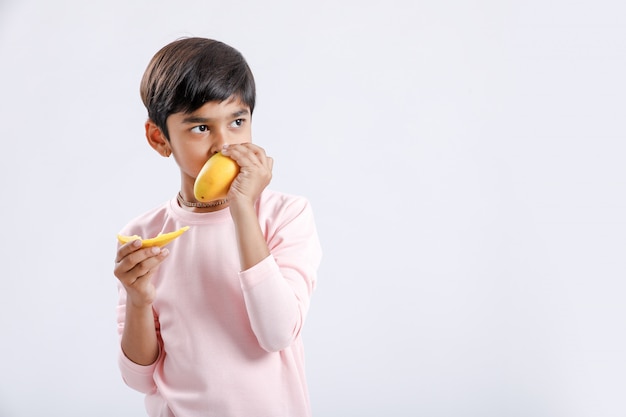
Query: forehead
(213, 110)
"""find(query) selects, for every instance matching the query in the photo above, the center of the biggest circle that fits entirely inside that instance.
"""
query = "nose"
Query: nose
(220, 138)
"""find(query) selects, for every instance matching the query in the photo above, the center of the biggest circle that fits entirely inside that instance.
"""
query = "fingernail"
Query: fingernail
(156, 250)
(165, 252)
(137, 243)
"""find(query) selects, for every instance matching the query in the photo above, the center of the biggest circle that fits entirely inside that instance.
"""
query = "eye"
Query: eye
(237, 123)
(200, 129)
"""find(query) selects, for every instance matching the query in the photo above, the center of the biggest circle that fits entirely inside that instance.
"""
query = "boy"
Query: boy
(211, 324)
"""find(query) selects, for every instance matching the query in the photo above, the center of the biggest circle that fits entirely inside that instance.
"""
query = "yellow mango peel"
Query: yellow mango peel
(215, 177)
(160, 240)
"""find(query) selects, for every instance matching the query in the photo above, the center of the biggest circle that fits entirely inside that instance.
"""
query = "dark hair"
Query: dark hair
(189, 72)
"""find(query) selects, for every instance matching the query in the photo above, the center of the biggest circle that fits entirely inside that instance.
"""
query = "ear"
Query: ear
(157, 139)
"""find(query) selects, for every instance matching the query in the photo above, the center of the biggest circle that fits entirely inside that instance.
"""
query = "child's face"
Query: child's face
(196, 136)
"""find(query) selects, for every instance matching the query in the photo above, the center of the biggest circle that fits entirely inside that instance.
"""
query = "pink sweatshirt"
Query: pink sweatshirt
(230, 340)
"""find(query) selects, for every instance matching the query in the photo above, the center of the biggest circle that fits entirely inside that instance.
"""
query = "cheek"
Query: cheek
(190, 161)
(247, 137)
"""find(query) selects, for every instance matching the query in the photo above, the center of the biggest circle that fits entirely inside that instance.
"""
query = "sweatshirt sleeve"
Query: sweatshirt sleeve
(277, 290)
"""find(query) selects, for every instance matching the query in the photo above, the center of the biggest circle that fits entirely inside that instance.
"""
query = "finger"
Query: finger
(254, 157)
(247, 152)
(138, 262)
(141, 272)
(257, 151)
(127, 248)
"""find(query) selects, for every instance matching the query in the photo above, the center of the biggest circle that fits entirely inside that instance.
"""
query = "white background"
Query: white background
(465, 161)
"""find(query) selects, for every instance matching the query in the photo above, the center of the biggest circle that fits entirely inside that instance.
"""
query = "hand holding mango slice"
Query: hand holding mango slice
(215, 177)
(161, 240)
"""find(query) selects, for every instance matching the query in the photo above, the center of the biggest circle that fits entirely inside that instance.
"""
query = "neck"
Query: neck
(216, 204)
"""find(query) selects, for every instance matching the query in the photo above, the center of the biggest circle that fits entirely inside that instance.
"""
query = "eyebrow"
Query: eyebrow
(199, 119)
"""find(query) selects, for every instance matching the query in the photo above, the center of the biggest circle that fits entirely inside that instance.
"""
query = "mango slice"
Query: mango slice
(215, 177)
(160, 240)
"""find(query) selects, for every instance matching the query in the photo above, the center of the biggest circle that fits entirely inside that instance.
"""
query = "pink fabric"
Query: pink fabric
(230, 339)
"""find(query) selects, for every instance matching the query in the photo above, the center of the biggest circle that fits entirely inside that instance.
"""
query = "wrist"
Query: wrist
(138, 303)
(239, 207)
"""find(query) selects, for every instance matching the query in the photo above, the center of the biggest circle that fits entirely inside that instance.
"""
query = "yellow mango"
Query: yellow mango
(160, 240)
(215, 177)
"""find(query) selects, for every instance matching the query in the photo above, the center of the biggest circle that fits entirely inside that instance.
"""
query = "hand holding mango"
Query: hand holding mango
(161, 240)
(215, 177)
